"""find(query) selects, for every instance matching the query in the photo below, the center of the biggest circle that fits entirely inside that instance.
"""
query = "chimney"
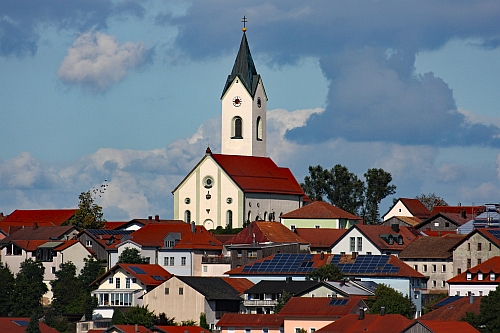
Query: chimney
(157, 217)
(382, 310)
(361, 313)
(395, 227)
(193, 227)
(35, 225)
(150, 217)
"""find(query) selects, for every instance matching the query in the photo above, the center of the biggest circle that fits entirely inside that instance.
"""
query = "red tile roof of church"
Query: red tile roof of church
(258, 174)
(49, 216)
(320, 210)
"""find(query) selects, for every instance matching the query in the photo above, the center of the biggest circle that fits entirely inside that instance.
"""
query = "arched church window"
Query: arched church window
(187, 216)
(259, 128)
(229, 218)
(237, 128)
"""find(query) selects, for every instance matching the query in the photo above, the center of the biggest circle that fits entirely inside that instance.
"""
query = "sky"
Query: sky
(127, 93)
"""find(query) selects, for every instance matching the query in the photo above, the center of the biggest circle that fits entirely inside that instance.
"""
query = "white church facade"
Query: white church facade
(241, 184)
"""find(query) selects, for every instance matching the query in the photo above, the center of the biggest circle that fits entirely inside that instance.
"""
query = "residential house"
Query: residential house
(443, 222)
(375, 240)
(377, 268)
(248, 323)
(25, 218)
(433, 257)
(408, 207)
(19, 325)
(454, 308)
(186, 297)
(435, 326)
(315, 313)
(320, 239)
(478, 280)
(261, 239)
(362, 323)
(319, 214)
(475, 248)
(402, 221)
(178, 247)
(124, 285)
(103, 242)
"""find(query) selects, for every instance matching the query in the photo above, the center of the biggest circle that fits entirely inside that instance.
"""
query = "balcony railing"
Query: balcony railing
(215, 260)
(258, 302)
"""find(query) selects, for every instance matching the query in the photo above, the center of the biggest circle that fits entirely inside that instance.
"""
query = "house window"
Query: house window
(167, 290)
(492, 276)
(415, 267)
(447, 224)
(165, 261)
(127, 283)
(353, 244)
(53, 270)
(229, 218)
(239, 254)
(169, 244)
(205, 268)
(172, 261)
(469, 276)
(468, 246)
(88, 243)
(312, 329)
(183, 261)
(480, 293)
(433, 268)
(489, 247)
(110, 280)
(265, 330)
(436, 224)
(292, 227)
(252, 254)
(479, 261)
(479, 246)
(360, 244)
(237, 128)
(134, 280)
(147, 260)
(248, 330)
(433, 283)
(459, 271)
(480, 276)
(443, 283)
(117, 284)
(181, 291)
(469, 263)
(457, 293)
(443, 268)
(424, 268)
(298, 329)
(187, 216)
(317, 226)
(259, 129)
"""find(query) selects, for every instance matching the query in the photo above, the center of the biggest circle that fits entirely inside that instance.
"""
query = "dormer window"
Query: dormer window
(400, 240)
(172, 239)
(469, 276)
(492, 276)
(390, 239)
(480, 276)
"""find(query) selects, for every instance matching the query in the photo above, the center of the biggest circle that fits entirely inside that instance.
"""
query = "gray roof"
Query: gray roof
(276, 287)
(213, 288)
(244, 68)
(352, 289)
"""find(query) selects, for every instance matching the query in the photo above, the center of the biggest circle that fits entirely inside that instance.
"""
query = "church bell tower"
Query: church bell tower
(244, 107)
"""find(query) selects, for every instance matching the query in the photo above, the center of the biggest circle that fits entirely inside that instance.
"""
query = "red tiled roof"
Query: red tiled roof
(469, 210)
(114, 225)
(240, 284)
(258, 174)
(8, 325)
(438, 233)
(491, 265)
(266, 232)
(320, 237)
(250, 320)
(39, 233)
(131, 329)
(154, 235)
(374, 232)
(319, 210)
(52, 216)
(410, 220)
(416, 207)
(182, 329)
(372, 323)
(438, 326)
(431, 247)
(147, 279)
(319, 307)
(454, 311)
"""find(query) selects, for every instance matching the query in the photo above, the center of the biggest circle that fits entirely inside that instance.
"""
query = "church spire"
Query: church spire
(244, 68)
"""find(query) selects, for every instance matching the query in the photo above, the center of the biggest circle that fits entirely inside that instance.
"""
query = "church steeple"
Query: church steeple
(244, 107)
(244, 68)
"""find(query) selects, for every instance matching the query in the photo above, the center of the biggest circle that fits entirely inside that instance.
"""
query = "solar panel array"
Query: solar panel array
(495, 233)
(158, 277)
(137, 270)
(109, 232)
(283, 263)
(367, 264)
(22, 323)
(447, 301)
(338, 302)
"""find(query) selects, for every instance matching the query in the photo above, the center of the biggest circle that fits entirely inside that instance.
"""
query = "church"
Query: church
(241, 184)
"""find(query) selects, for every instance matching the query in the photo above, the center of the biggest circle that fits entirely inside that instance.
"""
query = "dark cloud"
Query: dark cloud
(21, 21)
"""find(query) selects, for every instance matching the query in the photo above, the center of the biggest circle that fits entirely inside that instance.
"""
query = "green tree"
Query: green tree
(393, 301)
(67, 290)
(89, 304)
(377, 188)
(118, 318)
(431, 200)
(33, 325)
(131, 256)
(6, 290)
(29, 289)
(90, 272)
(345, 189)
(57, 321)
(316, 184)
(488, 320)
(140, 315)
(327, 272)
(189, 322)
(89, 215)
(203, 321)
(282, 300)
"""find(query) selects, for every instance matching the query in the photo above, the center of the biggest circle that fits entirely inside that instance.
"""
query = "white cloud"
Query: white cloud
(95, 61)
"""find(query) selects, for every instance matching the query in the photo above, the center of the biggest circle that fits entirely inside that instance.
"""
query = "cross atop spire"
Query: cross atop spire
(244, 20)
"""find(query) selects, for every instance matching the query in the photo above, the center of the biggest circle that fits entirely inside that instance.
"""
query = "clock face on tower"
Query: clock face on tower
(237, 101)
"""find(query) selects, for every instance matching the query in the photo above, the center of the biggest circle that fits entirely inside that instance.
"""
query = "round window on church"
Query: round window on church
(229, 200)
(187, 201)
(208, 182)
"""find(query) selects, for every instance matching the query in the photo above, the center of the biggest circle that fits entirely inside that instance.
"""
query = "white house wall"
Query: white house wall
(399, 209)
(476, 290)
(344, 244)
(135, 288)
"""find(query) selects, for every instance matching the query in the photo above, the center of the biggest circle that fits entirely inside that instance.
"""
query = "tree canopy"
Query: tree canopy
(29, 289)
(6, 290)
(282, 300)
(393, 301)
(345, 190)
(131, 256)
(327, 272)
(487, 321)
(139, 315)
(431, 200)
(89, 215)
